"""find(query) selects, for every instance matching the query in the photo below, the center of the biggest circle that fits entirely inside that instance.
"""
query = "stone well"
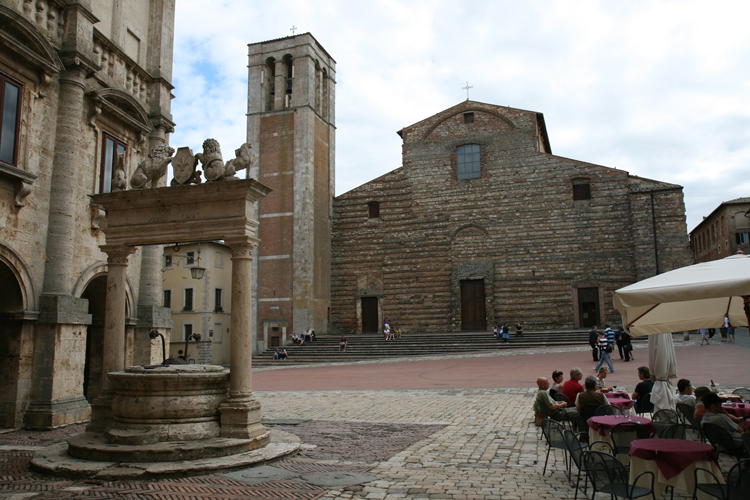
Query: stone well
(164, 413)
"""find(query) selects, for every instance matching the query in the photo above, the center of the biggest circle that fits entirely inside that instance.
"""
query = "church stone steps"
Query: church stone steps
(373, 346)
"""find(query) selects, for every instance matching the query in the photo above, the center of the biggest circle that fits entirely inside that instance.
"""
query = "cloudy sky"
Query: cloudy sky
(658, 88)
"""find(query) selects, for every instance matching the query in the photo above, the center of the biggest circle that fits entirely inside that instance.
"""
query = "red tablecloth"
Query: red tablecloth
(603, 425)
(621, 400)
(672, 456)
(736, 410)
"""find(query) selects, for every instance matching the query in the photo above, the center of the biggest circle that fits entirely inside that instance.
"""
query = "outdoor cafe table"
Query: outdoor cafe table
(730, 397)
(737, 409)
(673, 463)
(620, 400)
(600, 427)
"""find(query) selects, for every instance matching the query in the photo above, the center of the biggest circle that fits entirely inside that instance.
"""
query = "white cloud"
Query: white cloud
(659, 88)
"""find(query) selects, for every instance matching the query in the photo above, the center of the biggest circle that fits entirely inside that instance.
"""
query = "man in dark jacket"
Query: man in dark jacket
(593, 337)
(626, 345)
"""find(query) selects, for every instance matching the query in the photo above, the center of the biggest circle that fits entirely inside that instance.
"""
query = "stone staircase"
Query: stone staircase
(372, 346)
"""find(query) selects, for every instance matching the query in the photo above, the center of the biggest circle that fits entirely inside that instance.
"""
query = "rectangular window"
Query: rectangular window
(743, 238)
(217, 332)
(187, 330)
(10, 98)
(373, 210)
(582, 191)
(468, 117)
(111, 148)
(187, 304)
(167, 261)
(167, 298)
(219, 259)
(190, 258)
(468, 165)
(218, 300)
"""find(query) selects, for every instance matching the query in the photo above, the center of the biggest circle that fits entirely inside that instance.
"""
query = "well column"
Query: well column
(240, 414)
(113, 359)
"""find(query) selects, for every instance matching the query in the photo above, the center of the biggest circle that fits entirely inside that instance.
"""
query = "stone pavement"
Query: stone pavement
(439, 443)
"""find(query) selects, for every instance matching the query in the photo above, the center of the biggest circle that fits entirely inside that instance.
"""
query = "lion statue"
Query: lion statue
(243, 160)
(153, 168)
(211, 160)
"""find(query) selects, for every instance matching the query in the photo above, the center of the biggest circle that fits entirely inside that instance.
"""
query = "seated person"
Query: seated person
(700, 409)
(590, 396)
(572, 387)
(276, 354)
(343, 343)
(283, 354)
(644, 387)
(557, 378)
(601, 386)
(545, 405)
(295, 338)
(397, 333)
(313, 338)
(715, 414)
(684, 393)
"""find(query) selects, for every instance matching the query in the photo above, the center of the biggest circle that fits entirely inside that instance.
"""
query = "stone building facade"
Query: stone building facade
(86, 95)
(202, 306)
(723, 232)
(291, 127)
(483, 225)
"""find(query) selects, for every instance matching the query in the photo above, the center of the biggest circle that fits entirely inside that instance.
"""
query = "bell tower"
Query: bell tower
(291, 127)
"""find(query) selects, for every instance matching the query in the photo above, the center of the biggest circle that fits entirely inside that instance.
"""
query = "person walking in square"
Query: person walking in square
(603, 345)
(593, 338)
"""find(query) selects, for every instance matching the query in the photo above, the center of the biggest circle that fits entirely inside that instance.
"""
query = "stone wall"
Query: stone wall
(517, 227)
(77, 83)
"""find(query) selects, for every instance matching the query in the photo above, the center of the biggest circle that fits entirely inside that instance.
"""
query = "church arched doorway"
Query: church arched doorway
(11, 340)
(96, 294)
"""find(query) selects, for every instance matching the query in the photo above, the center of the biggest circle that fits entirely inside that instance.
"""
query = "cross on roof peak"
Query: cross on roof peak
(293, 29)
(467, 90)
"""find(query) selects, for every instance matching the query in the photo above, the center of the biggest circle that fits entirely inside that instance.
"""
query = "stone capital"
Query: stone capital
(242, 248)
(117, 254)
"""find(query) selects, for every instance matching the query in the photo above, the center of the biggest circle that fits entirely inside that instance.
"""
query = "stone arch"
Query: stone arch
(461, 112)
(92, 285)
(467, 230)
(99, 269)
(25, 41)
(124, 107)
(20, 271)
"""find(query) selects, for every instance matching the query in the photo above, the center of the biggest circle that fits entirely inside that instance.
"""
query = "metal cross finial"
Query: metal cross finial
(467, 90)
(293, 29)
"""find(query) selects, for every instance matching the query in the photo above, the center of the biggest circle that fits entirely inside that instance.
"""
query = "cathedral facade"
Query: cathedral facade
(85, 96)
(483, 225)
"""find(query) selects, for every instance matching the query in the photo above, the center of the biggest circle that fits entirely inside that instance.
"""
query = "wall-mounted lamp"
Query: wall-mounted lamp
(196, 272)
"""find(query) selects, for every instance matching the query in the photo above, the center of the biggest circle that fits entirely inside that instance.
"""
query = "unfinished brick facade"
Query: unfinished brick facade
(513, 237)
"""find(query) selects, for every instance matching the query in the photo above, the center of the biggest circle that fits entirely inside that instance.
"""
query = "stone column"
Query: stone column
(113, 356)
(240, 414)
(65, 196)
(279, 85)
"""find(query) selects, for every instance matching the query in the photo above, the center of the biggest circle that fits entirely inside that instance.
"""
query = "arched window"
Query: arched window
(268, 78)
(468, 164)
(289, 76)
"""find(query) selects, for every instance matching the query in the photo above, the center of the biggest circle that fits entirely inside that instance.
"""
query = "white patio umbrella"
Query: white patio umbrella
(663, 364)
(688, 298)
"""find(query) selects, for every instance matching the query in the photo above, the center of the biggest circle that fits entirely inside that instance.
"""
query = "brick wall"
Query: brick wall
(517, 227)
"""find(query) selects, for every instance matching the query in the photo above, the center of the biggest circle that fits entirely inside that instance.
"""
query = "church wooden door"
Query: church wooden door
(588, 307)
(369, 314)
(473, 312)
